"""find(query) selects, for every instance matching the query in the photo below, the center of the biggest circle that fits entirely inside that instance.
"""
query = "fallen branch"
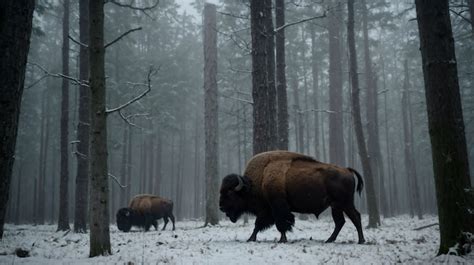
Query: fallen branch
(426, 226)
(121, 36)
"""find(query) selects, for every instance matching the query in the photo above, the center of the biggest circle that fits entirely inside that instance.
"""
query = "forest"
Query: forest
(145, 111)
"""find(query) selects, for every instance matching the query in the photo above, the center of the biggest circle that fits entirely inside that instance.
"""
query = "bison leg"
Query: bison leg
(261, 223)
(354, 215)
(284, 219)
(155, 224)
(165, 218)
(338, 218)
(172, 219)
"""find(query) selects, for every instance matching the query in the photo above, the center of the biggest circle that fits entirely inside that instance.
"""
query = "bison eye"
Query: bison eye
(127, 214)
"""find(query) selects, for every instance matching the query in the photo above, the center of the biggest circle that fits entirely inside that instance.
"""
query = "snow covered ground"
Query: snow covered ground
(394, 242)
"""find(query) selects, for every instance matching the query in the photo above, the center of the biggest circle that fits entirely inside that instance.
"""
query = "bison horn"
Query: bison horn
(240, 185)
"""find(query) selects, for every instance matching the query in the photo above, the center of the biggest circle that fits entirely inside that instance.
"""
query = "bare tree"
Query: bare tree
(445, 120)
(15, 30)
(82, 154)
(272, 97)
(210, 114)
(374, 218)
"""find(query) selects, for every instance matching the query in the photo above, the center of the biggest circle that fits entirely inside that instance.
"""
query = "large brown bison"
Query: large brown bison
(143, 211)
(277, 183)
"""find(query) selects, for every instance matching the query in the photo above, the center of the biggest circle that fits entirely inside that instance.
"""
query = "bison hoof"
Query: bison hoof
(361, 241)
(252, 239)
(330, 240)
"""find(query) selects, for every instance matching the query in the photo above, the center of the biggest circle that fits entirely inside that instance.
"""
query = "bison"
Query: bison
(277, 183)
(143, 211)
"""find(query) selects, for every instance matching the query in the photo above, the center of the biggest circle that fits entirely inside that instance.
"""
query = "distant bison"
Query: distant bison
(277, 183)
(143, 211)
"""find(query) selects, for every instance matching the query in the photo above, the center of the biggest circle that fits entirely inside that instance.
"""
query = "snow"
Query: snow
(394, 242)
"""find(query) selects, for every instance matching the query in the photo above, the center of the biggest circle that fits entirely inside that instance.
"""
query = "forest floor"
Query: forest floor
(394, 242)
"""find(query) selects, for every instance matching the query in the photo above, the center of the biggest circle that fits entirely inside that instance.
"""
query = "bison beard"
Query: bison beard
(277, 183)
(143, 211)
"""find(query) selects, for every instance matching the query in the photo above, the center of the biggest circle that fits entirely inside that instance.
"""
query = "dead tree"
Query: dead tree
(210, 114)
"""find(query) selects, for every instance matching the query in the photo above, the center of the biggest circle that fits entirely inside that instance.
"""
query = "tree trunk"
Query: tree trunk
(44, 137)
(471, 12)
(336, 137)
(315, 75)
(82, 173)
(272, 97)
(373, 143)
(129, 164)
(410, 168)
(282, 101)
(211, 124)
(445, 122)
(99, 195)
(259, 76)
(374, 218)
(63, 219)
(15, 30)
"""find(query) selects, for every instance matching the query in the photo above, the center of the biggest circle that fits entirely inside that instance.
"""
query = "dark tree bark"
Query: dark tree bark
(282, 101)
(259, 76)
(272, 94)
(471, 12)
(336, 137)
(410, 164)
(373, 142)
(99, 194)
(211, 124)
(43, 158)
(63, 218)
(129, 164)
(123, 169)
(82, 173)
(445, 122)
(315, 75)
(374, 218)
(15, 30)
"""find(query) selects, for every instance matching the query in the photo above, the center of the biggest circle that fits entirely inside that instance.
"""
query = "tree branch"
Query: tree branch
(298, 22)
(47, 73)
(131, 6)
(77, 42)
(117, 181)
(151, 72)
(121, 36)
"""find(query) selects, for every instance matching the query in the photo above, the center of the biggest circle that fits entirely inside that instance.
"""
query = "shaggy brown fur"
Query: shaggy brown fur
(143, 210)
(277, 183)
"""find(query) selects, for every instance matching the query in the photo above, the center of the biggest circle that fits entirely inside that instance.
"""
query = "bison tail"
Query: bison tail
(360, 182)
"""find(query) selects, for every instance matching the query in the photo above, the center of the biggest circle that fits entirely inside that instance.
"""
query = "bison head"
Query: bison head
(233, 196)
(124, 219)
